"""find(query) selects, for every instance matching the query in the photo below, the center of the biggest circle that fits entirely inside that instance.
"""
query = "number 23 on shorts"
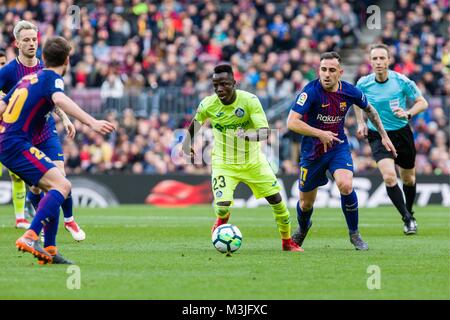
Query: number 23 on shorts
(219, 182)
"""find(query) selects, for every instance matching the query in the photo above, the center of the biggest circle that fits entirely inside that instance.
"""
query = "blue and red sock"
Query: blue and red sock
(349, 204)
(67, 207)
(50, 231)
(47, 210)
(303, 217)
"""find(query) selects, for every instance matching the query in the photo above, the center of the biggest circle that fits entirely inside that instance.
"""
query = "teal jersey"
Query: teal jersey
(387, 96)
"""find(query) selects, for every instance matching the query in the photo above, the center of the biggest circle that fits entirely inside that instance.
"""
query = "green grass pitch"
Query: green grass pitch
(142, 252)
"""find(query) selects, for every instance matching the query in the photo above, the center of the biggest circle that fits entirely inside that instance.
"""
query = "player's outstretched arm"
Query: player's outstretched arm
(362, 130)
(296, 124)
(193, 129)
(70, 107)
(68, 125)
(372, 114)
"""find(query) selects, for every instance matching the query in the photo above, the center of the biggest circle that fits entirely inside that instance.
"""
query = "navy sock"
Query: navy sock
(34, 198)
(47, 210)
(67, 206)
(349, 204)
(303, 217)
(50, 231)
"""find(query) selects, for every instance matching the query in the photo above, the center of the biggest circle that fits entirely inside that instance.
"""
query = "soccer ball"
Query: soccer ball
(227, 238)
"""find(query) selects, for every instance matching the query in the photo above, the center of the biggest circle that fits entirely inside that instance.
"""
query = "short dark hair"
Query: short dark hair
(56, 50)
(2, 53)
(224, 68)
(330, 55)
(380, 46)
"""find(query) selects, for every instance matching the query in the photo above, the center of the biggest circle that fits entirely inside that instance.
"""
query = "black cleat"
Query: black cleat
(56, 257)
(59, 259)
(355, 239)
(298, 237)
(410, 227)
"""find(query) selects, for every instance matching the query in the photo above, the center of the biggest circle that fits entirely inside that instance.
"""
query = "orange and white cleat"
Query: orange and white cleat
(75, 230)
(290, 245)
(22, 223)
(29, 242)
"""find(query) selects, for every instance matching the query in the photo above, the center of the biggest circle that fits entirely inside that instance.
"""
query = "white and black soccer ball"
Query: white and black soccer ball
(227, 238)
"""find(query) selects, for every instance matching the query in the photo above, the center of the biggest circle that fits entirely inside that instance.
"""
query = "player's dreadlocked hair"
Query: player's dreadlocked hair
(224, 68)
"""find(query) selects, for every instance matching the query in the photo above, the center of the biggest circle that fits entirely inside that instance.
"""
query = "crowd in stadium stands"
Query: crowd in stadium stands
(274, 48)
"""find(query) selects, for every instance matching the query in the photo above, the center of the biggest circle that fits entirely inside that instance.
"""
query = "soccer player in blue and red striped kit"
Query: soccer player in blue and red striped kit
(45, 138)
(319, 114)
(23, 110)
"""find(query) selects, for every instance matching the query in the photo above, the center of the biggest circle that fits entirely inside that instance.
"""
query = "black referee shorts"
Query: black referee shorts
(403, 141)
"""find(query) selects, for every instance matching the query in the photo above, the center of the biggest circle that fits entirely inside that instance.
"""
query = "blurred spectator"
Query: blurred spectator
(112, 87)
(139, 59)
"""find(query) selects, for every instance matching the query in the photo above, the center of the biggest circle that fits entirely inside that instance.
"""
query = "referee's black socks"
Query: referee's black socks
(410, 196)
(396, 196)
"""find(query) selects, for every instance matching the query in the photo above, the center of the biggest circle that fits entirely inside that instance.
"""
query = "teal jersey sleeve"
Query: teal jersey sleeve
(409, 88)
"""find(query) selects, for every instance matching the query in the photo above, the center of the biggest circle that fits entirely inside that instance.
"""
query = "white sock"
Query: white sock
(68, 219)
(20, 216)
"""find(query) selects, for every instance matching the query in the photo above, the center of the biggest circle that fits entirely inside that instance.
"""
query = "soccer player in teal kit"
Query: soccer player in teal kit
(318, 114)
(388, 91)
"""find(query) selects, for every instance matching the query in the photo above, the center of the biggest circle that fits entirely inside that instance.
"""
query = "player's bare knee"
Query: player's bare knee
(306, 205)
(390, 179)
(409, 180)
(345, 187)
(35, 190)
(64, 187)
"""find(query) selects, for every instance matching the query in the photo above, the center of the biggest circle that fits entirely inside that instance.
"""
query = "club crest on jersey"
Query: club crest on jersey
(219, 194)
(302, 98)
(343, 105)
(239, 112)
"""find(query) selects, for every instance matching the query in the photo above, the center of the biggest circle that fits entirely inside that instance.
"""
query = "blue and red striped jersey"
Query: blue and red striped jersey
(12, 72)
(10, 75)
(326, 111)
(29, 105)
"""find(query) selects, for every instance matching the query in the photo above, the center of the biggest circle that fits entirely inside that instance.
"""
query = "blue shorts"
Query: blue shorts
(313, 172)
(52, 148)
(26, 161)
